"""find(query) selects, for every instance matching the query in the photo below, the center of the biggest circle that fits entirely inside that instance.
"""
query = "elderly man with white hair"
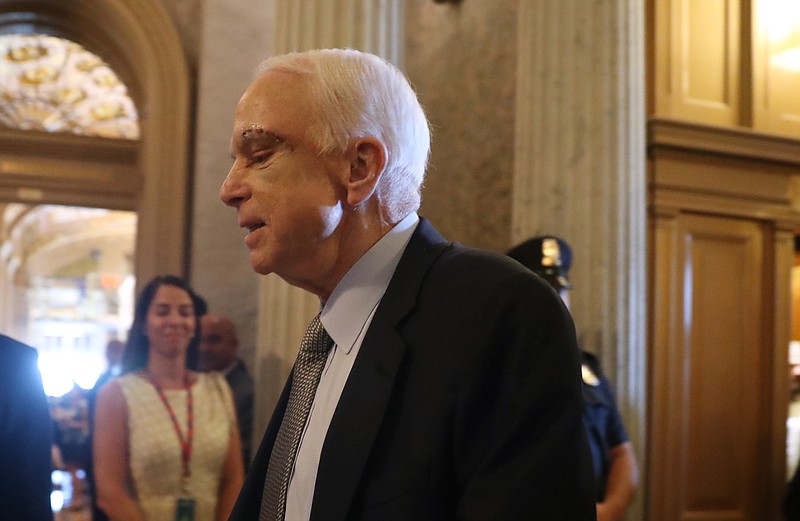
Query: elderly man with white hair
(438, 382)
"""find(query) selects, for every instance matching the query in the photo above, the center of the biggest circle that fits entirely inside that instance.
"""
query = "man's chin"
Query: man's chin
(259, 266)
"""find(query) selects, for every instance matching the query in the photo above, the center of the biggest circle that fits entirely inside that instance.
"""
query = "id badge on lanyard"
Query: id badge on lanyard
(184, 509)
(185, 504)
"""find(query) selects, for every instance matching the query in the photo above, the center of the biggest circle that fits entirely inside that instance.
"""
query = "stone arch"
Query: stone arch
(140, 42)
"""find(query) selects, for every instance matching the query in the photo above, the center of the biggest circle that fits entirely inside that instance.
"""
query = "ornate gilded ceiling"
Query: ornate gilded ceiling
(55, 85)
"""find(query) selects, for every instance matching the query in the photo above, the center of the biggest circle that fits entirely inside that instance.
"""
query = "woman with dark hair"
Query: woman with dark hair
(166, 443)
(136, 352)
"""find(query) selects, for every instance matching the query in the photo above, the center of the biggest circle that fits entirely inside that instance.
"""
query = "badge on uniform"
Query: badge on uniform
(589, 378)
(184, 509)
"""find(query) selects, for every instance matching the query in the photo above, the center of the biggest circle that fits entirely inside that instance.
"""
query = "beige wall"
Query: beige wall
(462, 61)
(235, 38)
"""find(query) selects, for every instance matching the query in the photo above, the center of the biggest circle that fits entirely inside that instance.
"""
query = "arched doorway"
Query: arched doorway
(148, 176)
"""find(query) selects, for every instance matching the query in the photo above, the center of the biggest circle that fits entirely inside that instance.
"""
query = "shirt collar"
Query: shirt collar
(358, 293)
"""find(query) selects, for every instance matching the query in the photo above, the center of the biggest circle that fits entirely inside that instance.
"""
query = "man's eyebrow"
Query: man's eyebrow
(255, 135)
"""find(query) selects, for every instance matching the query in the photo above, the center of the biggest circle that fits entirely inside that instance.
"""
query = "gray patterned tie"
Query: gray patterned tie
(307, 371)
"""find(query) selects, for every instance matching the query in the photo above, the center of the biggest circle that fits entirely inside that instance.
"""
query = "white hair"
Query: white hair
(355, 95)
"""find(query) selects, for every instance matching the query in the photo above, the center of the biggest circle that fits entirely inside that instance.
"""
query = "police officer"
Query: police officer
(616, 471)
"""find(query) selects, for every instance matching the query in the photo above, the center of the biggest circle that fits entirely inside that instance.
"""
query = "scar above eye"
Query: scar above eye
(257, 134)
(252, 131)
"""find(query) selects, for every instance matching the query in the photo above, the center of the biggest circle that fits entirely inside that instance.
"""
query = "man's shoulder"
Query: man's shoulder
(459, 277)
(239, 374)
(16, 358)
(240, 368)
(467, 255)
(482, 269)
(14, 348)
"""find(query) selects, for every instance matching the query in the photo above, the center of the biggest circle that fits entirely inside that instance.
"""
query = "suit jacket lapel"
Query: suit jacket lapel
(361, 409)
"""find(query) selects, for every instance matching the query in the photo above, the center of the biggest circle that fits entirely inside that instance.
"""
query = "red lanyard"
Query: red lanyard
(186, 442)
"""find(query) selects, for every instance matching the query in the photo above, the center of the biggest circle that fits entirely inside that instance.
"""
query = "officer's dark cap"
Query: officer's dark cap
(548, 256)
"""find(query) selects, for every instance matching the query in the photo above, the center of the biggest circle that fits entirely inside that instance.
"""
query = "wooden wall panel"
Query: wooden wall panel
(697, 60)
(722, 263)
(50, 168)
(796, 300)
(709, 371)
(730, 63)
(776, 66)
(723, 217)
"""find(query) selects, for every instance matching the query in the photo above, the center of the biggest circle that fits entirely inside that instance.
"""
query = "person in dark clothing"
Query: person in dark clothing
(616, 471)
(219, 348)
(26, 435)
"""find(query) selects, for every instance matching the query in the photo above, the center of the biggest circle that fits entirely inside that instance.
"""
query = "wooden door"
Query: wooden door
(711, 360)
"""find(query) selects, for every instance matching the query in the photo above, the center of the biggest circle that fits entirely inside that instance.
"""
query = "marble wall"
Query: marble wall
(235, 38)
(462, 61)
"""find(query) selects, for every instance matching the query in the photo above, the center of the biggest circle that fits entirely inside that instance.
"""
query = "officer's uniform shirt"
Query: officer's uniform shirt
(601, 419)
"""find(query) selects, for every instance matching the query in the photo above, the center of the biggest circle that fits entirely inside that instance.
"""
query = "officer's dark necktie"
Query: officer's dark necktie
(307, 370)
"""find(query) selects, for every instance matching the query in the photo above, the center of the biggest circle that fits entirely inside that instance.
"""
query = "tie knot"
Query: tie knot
(316, 339)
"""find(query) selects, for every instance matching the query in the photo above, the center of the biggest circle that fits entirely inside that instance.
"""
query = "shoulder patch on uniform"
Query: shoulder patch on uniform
(589, 378)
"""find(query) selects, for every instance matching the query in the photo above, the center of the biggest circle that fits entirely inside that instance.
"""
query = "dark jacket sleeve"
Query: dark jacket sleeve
(485, 417)
(26, 437)
(521, 449)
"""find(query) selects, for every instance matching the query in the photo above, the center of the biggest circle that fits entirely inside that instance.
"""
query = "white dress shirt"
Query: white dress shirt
(346, 317)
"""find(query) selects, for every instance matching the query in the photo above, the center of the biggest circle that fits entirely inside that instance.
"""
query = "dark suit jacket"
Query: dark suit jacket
(26, 434)
(241, 384)
(464, 401)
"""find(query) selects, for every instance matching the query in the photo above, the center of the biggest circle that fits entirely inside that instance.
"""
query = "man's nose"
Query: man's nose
(233, 191)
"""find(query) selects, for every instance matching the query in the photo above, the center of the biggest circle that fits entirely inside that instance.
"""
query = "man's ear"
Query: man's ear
(366, 168)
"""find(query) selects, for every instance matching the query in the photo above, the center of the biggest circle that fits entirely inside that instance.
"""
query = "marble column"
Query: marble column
(374, 26)
(238, 37)
(580, 173)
